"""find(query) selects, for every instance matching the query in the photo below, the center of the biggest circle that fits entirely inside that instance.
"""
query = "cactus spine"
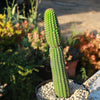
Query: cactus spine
(60, 81)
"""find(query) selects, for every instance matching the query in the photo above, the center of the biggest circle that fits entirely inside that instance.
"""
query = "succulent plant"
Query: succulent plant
(60, 80)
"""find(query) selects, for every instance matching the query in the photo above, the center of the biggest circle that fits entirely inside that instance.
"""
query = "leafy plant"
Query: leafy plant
(15, 16)
(23, 50)
(71, 40)
(19, 70)
(14, 27)
(7, 32)
(71, 54)
(89, 47)
(22, 65)
(11, 13)
(83, 71)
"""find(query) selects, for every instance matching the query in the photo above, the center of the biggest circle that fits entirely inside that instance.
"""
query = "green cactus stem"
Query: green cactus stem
(60, 80)
(52, 28)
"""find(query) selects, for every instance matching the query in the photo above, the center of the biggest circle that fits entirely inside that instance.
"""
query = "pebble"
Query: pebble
(47, 92)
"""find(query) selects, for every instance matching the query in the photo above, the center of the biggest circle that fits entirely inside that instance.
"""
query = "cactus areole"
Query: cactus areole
(52, 31)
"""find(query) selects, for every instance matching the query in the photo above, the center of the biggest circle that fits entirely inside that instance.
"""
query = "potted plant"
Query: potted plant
(72, 56)
(61, 86)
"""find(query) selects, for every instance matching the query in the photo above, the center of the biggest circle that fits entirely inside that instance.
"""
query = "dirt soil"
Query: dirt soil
(82, 14)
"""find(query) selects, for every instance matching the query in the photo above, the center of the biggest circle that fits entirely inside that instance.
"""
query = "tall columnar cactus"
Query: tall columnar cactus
(60, 81)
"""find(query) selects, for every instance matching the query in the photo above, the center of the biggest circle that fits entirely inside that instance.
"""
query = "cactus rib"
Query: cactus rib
(50, 21)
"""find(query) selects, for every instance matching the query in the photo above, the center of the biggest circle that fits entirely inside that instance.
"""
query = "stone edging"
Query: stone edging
(91, 79)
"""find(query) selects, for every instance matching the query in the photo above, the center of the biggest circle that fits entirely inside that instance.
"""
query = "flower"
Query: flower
(98, 36)
(93, 57)
(38, 41)
(66, 49)
(2, 17)
(97, 65)
(70, 57)
(17, 25)
(99, 54)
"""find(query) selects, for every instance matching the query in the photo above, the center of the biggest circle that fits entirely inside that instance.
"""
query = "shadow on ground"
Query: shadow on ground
(63, 7)
(83, 14)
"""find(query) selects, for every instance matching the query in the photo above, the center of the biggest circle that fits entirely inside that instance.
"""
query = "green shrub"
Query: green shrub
(19, 70)
(21, 55)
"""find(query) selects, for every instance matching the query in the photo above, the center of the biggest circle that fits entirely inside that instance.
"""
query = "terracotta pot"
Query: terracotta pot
(71, 68)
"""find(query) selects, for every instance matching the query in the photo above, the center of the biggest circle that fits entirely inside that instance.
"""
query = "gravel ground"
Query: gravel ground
(78, 92)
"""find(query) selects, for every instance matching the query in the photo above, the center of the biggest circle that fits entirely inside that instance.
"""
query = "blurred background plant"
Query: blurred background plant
(20, 71)
(89, 47)
(84, 47)
(71, 54)
(23, 52)
(8, 33)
